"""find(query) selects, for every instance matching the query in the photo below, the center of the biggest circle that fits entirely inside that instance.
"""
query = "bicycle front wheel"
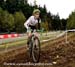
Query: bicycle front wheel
(36, 50)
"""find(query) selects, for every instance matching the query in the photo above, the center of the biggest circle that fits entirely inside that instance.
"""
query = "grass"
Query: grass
(23, 41)
(14, 44)
(17, 43)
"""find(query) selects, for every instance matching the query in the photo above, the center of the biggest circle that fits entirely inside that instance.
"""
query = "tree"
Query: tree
(64, 23)
(6, 21)
(1, 12)
(11, 23)
(56, 24)
(19, 22)
(2, 4)
(43, 14)
(71, 21)
(21, 10)
(49, 20)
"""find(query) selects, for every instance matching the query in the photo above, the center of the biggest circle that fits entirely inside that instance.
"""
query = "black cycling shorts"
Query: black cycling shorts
(32, 27)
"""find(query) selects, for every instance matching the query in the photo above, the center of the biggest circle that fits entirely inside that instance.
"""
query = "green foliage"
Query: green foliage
(1, 12)
(6, 21)
(63, 24)
(9, 22)
(71, 21)
(19, 21)
(13, 14)
(56, 24)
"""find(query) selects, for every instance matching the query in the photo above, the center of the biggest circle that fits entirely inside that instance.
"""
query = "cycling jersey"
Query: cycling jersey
(31, 22)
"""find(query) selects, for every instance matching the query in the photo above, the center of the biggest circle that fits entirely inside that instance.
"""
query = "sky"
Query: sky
(63, 7)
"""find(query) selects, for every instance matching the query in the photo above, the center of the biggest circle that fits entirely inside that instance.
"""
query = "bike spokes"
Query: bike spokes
(36, 50)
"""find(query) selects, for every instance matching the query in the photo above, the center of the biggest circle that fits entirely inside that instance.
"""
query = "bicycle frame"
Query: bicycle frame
(34, 36)
(35, 33)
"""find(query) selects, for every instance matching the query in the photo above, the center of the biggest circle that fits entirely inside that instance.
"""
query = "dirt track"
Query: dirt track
(56, 52)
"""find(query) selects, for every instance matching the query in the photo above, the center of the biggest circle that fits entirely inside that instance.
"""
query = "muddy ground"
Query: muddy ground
(56, 53)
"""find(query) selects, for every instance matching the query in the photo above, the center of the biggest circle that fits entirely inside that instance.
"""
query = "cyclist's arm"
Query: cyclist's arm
(26, 24)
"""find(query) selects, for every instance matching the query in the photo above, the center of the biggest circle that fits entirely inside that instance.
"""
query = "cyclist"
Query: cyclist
(31, 23)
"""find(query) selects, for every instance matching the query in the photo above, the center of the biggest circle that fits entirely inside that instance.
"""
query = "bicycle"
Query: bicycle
(34, 47)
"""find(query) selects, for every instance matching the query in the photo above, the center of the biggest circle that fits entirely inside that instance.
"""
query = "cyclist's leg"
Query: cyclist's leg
(30, 33)
(29, 36)
(28, 40)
